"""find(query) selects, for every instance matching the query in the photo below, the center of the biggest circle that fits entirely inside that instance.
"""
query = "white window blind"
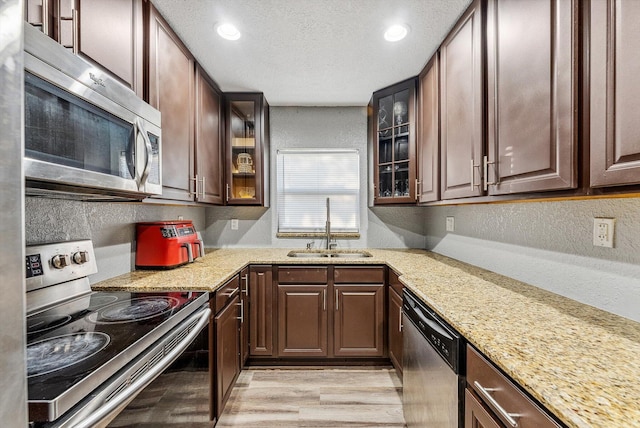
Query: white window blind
(306, 178)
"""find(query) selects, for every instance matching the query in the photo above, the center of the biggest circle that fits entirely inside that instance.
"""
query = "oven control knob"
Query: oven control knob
(80, 257)
(59, 261)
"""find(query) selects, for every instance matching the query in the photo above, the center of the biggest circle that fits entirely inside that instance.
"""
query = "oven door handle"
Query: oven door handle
(127, 394)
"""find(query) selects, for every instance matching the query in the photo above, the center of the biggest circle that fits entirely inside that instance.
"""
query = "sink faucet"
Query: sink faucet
(328, 225)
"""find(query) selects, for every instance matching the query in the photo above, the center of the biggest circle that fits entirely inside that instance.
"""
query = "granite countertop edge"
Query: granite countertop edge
(578, 361)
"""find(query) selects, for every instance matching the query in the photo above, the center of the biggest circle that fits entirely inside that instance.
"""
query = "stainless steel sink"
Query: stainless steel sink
(352, 254)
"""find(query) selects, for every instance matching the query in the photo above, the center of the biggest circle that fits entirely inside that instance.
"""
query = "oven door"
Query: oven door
(105, 403)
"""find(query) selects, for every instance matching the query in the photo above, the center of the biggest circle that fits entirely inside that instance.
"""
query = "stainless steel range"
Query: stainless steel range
(90, 353)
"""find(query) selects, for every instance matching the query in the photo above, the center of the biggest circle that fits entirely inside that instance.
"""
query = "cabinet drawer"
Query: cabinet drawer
(394, 282)
(359, 275)
(227, 292)
(482, 376)
(302, 275)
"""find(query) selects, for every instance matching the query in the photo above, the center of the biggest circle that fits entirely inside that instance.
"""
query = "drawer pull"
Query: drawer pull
(486, 394)
(232, 292)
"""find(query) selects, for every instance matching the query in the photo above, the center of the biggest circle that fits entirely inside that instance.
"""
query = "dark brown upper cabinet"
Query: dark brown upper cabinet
(394, 144)
(106, 33)
(247, 149)
(428, 143)
(531, 97)
(461, 106)
(171, 90)
(209, 149)
(614, 92)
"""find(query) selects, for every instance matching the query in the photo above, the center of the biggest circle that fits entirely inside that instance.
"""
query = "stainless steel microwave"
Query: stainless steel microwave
(85, 133)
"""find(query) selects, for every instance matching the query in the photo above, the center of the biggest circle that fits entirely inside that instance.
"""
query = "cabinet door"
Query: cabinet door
(209, 176)
(247, 149)
(261, 311)
(395, 329)
(359, 320)
(110, 34)
(302, 321)
(615, 93)
(244, 334)
(429, 133)
(461, 99)
(394, 144)
(531, 96)
(227, 351)
(475, 415)
(171, 77)
(39, 13)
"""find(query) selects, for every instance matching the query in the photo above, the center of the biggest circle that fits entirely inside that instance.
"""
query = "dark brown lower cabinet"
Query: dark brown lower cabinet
(358, 326)
(227, 333)
(330, 312)
(244, 316)
(394, 317)
(261, 311)
(494, 397)
(475, 414)
(302, 321)
(227, 348)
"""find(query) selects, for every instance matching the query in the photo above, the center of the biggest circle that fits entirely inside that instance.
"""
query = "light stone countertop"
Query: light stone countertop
(580, 362)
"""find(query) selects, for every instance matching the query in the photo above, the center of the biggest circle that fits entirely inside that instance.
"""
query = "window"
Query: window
(306, 178)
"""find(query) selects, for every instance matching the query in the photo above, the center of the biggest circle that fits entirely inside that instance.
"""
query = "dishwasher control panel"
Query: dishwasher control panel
(443, 338)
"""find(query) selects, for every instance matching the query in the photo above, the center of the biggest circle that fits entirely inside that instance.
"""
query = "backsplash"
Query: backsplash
(111, 226)
(549, 245)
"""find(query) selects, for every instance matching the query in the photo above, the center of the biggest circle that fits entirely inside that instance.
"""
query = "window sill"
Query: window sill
(318, 235)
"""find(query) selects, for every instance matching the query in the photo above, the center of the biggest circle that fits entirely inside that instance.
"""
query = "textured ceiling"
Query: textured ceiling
(311, 52)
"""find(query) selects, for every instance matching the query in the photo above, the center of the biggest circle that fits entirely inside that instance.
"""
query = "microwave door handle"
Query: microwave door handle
(149, 150)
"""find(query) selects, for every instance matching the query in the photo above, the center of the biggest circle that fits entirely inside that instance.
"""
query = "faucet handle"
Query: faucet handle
(332, 244)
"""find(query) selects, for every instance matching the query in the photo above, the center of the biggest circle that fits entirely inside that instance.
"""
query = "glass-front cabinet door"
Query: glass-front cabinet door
(394, 144)
(247, 149)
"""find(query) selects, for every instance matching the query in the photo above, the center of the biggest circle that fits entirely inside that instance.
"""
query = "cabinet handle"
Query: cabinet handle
(203, 186)
(232, 292)
(75, 29)
(486, 163)
(324, 298)
(337, 300)
(228, 186)
(473, 175)
(241, 317)
(485, 393)
(418, 183)
(245, 278)
(45, 17)
(400, 321)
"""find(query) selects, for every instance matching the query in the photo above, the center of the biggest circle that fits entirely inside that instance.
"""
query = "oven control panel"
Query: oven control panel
(50, 264)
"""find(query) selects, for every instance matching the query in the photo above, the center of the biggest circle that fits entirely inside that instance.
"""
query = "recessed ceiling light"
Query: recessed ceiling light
(396, 32)
(228, 31)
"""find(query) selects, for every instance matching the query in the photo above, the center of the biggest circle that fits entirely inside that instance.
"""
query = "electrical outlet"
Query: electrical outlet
(603, 231)
(180, 218)
(451, 224)
(234, 224)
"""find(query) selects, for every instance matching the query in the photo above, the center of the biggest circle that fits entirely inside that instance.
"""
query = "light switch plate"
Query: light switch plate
(234, 224)
(451, 225)
(603, 232)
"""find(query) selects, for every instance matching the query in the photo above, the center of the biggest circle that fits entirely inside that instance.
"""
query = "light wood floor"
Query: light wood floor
(327, 397)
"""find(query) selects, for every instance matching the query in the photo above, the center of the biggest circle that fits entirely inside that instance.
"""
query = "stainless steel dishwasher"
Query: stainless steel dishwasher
(433, 364)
